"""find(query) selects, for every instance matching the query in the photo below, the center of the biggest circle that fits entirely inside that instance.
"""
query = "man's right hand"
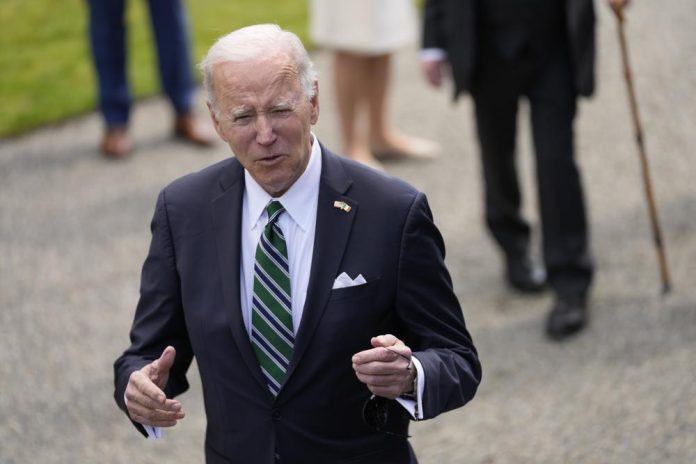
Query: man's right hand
(433, 70)
(145, 399)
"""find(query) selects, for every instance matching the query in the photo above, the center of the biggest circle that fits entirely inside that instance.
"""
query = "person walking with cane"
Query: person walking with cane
(544, 50)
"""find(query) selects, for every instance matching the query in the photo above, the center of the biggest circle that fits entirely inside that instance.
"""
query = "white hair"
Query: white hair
(253, 42)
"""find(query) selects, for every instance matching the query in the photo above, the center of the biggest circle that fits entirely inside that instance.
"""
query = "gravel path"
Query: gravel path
(74, 232)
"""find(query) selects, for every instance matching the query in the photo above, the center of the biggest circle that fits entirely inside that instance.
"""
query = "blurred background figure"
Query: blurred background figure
(363, 35)
(499, 51)
(107, 35)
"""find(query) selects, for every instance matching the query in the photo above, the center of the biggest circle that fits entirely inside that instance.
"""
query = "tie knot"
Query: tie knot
(273, 210)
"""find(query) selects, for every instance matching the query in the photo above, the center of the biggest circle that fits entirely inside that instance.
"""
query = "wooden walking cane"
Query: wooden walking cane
(657, 234)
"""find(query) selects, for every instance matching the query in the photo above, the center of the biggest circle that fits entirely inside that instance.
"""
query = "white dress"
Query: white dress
(370, 27)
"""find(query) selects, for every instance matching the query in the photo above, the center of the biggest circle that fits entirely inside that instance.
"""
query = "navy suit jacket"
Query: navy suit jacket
(190, 298)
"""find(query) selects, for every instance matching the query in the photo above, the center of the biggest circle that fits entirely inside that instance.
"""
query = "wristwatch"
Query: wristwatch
(413, 394)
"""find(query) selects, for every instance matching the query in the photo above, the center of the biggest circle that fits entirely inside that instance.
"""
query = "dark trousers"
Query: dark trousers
(108, 41)
(530, 59)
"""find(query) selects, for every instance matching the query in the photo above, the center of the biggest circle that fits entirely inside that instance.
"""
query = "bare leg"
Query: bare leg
(384, 138)
(351, 76)
(379, 67)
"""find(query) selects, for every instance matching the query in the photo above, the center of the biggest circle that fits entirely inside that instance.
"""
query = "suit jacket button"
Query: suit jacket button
(277, 458)
(275, 414)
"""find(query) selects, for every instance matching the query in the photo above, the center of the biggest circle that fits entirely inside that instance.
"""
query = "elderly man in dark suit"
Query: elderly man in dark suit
(311, 289)
(500, 50)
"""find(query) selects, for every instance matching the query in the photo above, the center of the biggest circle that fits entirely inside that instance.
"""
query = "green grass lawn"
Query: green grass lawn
(46, 69)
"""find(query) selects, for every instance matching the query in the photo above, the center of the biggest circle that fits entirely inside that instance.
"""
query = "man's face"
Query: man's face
(265, 118)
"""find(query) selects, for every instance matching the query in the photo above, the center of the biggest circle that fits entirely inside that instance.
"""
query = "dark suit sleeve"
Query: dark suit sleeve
(434, 35)
(159, 319)
(433, 323)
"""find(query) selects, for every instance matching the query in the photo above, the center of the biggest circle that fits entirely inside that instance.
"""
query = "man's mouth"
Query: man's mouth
(270, 159)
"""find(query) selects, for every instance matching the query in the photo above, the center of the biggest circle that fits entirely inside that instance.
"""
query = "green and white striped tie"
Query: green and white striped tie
(271, 308)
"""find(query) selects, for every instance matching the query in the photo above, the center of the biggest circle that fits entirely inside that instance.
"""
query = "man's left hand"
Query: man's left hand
(384, 368)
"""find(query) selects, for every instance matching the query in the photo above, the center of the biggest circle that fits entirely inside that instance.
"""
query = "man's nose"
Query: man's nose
(265, 134)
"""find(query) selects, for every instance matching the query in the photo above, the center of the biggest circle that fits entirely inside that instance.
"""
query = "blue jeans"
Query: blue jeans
(108, 39)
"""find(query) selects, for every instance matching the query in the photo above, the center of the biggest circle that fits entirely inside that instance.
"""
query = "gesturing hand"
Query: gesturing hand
(385, 367)
(146, 402)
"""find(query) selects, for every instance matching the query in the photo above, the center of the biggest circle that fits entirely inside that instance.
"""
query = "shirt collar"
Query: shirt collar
(296, 200)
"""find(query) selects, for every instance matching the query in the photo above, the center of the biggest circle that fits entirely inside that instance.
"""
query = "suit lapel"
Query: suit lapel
(227, 222)
(330, 239)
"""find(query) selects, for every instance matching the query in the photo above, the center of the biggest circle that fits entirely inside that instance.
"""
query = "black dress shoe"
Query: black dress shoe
(567, 316)
(525, 276)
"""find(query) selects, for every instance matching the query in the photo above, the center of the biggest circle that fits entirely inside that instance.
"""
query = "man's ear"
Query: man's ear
(314, 101)
(216, 121)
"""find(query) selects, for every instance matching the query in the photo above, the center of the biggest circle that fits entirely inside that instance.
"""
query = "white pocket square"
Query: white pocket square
(343, 281)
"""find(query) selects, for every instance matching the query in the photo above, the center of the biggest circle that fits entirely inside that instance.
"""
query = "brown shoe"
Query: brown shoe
(190, 129)
(116, 144)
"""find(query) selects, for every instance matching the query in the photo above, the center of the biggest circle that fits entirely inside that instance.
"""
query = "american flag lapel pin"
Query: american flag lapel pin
(343, 206)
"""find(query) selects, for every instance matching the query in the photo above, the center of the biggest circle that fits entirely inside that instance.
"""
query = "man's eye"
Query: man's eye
(242, 119)
(282, 111)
